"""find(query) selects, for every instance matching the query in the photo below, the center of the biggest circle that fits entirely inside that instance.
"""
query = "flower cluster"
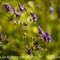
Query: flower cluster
(8, 7)
(45, 36)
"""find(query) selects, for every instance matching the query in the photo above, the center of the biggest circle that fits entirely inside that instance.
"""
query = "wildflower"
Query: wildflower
(21, 8)
(6, 41)
(40, 31)
(51, 10)
(16, 12)
(28, 50)
(8, 7)
(45, 36)
(0, 37)
(48, 37)
(34, 17)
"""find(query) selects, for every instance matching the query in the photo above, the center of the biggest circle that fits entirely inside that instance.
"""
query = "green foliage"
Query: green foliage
(19, 36)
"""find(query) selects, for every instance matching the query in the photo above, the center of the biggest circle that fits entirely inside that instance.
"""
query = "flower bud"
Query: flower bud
(34, 17)
(22, 9)
(16, 12)
(51, 10)
(8, 7)
(28, 50)
(48, 37)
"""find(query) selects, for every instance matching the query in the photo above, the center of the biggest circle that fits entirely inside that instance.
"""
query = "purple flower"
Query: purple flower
(34, 17)
(40, 31)
(16, 12)
(37, 48)
(21, 7)
(45, 36)
(8, 7)
(48, 37)
(28, 50)
(51, 10)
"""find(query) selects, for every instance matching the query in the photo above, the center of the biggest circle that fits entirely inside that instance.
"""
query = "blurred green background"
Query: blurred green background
(48, 23)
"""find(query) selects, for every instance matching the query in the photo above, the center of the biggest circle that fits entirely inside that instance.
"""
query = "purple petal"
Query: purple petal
(44, 37)
(33, 16)
(21, 7)
(46, 34)
(40, 31)
(51, 10)
(37, 48)
(16, 12)
(48, 37)
(28, 50)
(8, 7)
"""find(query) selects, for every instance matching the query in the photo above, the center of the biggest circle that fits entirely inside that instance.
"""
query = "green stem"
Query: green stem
(4, 15)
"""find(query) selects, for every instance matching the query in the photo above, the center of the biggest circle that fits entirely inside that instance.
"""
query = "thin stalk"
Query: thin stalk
(4, 15)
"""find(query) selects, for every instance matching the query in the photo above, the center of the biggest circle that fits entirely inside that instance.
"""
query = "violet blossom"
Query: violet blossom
(8, 7)
(21, 8)
(16, 12)
(51, 10)
(28, 50)
(34, 17)
(48, 37)
(45, 36)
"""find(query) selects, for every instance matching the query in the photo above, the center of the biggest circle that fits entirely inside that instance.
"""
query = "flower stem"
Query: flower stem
(4, 15)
